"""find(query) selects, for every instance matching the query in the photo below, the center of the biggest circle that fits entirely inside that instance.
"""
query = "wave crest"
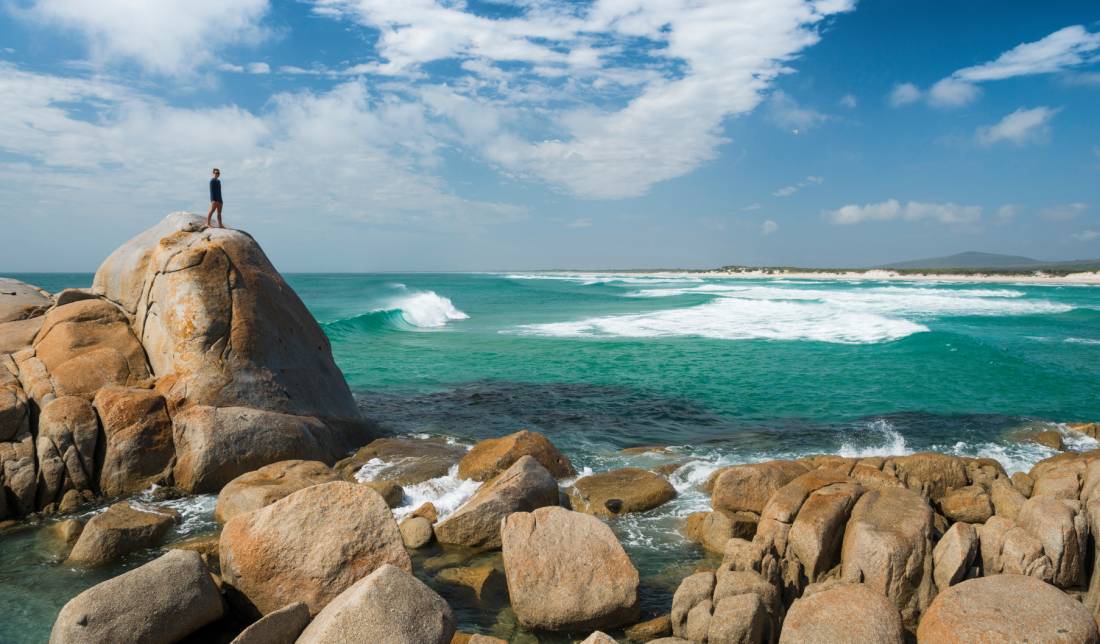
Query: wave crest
(415, 310)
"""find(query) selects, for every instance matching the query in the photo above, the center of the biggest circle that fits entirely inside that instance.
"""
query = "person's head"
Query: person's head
(217, 173)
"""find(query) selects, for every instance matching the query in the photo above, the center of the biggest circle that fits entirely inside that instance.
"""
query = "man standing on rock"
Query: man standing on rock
(215, 198)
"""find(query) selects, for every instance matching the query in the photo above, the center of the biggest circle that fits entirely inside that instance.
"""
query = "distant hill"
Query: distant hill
(971, 260)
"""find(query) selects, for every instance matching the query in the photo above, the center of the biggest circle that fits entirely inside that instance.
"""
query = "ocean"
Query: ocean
(723, 370)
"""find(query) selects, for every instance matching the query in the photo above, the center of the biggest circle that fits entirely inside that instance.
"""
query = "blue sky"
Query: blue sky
(368, 135)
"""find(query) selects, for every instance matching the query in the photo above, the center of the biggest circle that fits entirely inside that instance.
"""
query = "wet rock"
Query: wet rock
(123, 528)
(309, 546)
(566, 571)
(954, 554)
(524, 486)
(649, 630)
(138, 446)
(162, 601)
(392, 493)
(1005, 608)
(492, 456)
(68, 431)
(262, 487)
(634, 489)
(388, 605)
(970, 504)
(416, 532)
(748, 487)
(888, 546)
(279, 627)
(483, 581)
(404, 461)
(840, 612)
(426, 510)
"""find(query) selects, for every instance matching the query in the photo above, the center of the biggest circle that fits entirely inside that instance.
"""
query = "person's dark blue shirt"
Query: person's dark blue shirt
(216, 190)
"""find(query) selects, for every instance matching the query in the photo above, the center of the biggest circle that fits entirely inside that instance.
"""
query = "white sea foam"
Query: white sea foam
(425, 309)
(880, 438)
(1082, 341)
(740, 319)
(447, 493)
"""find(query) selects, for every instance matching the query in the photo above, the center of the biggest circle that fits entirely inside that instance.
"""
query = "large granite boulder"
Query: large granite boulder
(18, 335)
(566, 571)
(1061, 526)
(1006, 608)
(1008, 548)
(14, 413)
(713, 529)
(309, 546)
(278, 627)
(888, 547)
(829, 613)
(121, 529)
(164, 600)
(523, 487)
(492, 456)
(68, 431)
(18, 475)
(268, 484)
(137, 433)
(247, 372)
(21, 301)
(621, 491)
(389, 605)
(954, 554)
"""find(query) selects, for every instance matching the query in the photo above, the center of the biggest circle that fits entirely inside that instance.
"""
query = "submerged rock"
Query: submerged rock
(388, 605)
(566, 571)
(1006, 608)
(164, 600)
(404, 461)
(492, 456)
(629, 489)
(309, 546)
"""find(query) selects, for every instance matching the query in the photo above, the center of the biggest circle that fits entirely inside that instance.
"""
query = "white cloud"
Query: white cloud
(904, 94)
(768, 227)
(1063, 49)
(1085, 235)
(1020, 127)
(787, 191)
(785, 112)
(626, 124)
(259, 68)
(337, 154)
(751, 207)
(230, 67)
(165, 36)
(1064, 212)
(849, 101)
(951, 92)
(1007, 212)
(892, 209)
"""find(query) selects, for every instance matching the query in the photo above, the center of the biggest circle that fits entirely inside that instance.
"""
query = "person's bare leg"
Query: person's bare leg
(210, 212)
(220, 225)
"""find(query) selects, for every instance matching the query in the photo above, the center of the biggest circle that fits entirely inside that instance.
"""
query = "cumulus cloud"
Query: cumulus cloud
(1020, 127)
(1060, 51)
(768, 227)
(361, 159)
(904, 94)
(259, 68)
(1085, 235)
(787, 191)
(1064, 212)
(1007, 212)
(785, 112)
(892, 209)
(621, 124)
(165, 37)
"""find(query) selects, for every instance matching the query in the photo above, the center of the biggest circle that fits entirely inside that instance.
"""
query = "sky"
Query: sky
(424, 135)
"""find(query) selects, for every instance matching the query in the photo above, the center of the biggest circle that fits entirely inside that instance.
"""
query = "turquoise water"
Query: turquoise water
(726, 370)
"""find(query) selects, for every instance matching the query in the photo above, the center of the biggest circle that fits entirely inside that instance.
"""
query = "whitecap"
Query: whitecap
(878, 438)
(447, 493)
(425, 309)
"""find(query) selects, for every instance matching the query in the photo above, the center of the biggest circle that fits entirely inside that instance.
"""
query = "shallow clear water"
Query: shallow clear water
(726, 370)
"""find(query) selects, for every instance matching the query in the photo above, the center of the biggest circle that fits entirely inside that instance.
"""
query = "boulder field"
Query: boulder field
(191, 364)
(190, 361)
